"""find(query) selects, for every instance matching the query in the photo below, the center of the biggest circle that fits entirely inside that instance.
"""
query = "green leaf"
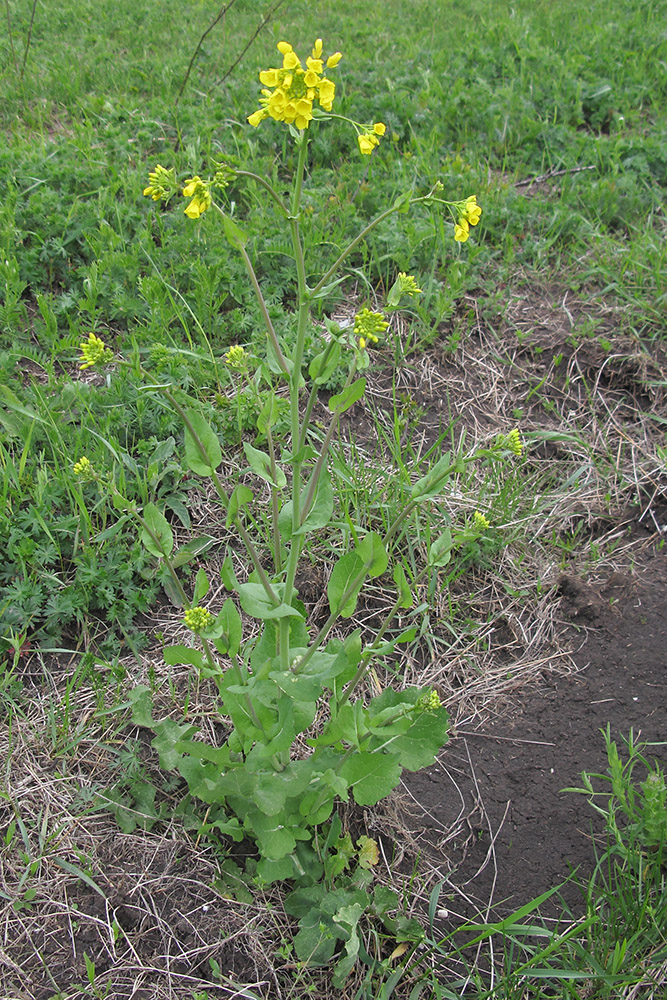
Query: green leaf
(176, 656)
(227, 575)
(348, 918)
(441, 550)
(371, 776)
(204, 460)
(156, 525)
(318, 515)
(404, 591)
(348, 569)
(233, 233)
(201, 586)
(434, 480)
(140, 699)
(260, 463)
(241, 496)
(273, 837)
(168, 733)
(232, 627)
(348, 397)
(322, 368)
(372, 551)
(255, 602)
(195, 547)
(268, 414)
(277, 870)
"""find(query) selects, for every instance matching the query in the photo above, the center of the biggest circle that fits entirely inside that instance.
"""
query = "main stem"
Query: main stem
(296, 541)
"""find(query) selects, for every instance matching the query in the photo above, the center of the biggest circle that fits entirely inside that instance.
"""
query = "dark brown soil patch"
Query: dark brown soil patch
(521, 833)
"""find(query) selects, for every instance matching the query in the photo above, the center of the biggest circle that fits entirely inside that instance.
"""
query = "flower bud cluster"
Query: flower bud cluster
(94, 352)
(368, 326)
(198, 619)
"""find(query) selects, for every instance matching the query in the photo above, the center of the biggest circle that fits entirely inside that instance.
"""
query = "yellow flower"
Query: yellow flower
(461, 230)
(94, 352)
(198, 190)
(368, 326)
(367, 143)
(161, 184)
(514, 443)
(379, 128)
(292, 90)
(471, 210)
(236, 357)
(480, 522)
(83, 468)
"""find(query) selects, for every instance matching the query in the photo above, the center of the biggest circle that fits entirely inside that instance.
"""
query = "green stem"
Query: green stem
(369, 652)
(277, 544)
(296, 541)
(265, 184)
(265, 312)
(312, 398)
(357, 240)
(247, 541)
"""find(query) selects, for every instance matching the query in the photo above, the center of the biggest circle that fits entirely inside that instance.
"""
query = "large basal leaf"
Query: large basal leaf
(420, 745)
(255, 602)
(371, 776)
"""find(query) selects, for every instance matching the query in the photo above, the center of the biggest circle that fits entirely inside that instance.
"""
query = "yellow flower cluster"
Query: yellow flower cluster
(83, 468)
(236, 357)
(469, 215)
(161, 183)
(290, 90)
(94, 352)
(514, 443)
(200, 192)
(368, 326)
(369, 140)
(480, 522)
(198, 619)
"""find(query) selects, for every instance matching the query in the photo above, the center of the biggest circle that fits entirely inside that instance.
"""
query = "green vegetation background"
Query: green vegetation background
(477, 94)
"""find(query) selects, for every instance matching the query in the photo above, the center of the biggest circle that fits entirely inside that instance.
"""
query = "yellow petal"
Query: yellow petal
(334, 59)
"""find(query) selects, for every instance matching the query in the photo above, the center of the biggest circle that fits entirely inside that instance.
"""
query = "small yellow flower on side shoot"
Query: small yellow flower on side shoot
(480, 522)
(199, 191)
(368, 326)
(94, 352)
(405, 284)
(198, 619)
(161, 184)
(514, 443)
(83, 468)
(236, 357)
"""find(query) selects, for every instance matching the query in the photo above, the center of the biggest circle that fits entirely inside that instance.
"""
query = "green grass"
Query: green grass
(552, 113)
